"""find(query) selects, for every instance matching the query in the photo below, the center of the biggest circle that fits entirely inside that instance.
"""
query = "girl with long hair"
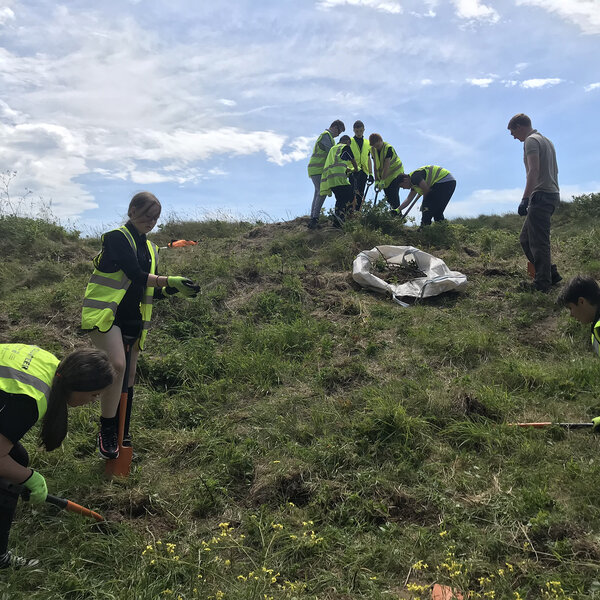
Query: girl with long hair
(36, 386)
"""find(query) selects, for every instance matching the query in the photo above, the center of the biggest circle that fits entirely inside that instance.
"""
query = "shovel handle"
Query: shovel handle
(73, 507)
(550, 424)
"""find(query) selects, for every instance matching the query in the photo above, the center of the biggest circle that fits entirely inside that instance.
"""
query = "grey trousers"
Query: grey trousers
(535, 236)
(317, 203)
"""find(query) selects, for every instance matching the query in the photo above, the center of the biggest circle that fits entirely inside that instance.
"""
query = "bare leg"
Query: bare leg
(112, 343)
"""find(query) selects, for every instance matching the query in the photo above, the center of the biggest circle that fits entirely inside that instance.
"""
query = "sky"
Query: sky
(215, 106)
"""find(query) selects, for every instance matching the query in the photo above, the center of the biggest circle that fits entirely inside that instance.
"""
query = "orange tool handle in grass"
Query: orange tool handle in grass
(179, 244)
(73, 507)
(549, 424)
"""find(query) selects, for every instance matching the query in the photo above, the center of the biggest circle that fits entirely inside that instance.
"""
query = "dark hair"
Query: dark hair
(85, 370)
(143, 201)
(519, 120)
(358, 124)
(375, 137)
(339, 125)
(581, 286)
(345, 139)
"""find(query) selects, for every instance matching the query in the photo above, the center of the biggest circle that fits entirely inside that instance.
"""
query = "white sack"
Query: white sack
(438, 277)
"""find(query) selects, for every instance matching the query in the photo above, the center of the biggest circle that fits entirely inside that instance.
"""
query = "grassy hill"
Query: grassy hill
(297, 437)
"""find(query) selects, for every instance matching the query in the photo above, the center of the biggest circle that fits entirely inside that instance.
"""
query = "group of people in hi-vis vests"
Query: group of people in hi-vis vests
(37, 386)
(346, 168)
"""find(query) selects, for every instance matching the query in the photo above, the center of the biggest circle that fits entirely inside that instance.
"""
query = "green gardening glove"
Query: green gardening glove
(186, 287)
(596, 422)
(36, 484)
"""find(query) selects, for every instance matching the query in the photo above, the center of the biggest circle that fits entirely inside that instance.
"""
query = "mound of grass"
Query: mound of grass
(299, 438)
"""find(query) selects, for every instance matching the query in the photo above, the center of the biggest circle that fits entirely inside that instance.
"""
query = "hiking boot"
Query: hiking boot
(312, 224)
(108, 443)
(127, 440)
(17, 562)
(556, 277)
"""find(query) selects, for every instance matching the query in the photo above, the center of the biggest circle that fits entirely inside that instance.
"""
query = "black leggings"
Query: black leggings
(392, 192)
(7, 513)
(344, 194)
(435, 202)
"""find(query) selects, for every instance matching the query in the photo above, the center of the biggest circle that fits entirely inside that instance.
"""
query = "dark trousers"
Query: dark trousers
(535, 236)
(7, 507)
(359, 181)
(344, 194)
(392, 192)
(435, 202)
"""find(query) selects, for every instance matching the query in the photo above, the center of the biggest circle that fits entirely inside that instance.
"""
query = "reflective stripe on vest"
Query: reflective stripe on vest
(334, 173)
(105, 291)
(595, 335)
(396, 168)
(319, 156)
(433, 174)
(361, 156)
(27, 370)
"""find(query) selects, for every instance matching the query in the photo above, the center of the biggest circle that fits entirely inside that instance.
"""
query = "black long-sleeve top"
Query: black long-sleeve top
(117, 254)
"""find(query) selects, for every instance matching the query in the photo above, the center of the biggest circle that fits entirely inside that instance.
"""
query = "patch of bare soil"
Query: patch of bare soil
(541, 333)
(272, 488)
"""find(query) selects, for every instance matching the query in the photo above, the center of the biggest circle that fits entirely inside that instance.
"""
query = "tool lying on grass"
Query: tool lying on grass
(179, 244)
(550, 424)
(10, 492)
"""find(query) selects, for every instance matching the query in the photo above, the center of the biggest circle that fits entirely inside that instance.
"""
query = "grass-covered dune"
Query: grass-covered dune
(297, 437)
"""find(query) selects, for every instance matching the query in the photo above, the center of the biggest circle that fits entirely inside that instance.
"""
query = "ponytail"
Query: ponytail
(84, 370)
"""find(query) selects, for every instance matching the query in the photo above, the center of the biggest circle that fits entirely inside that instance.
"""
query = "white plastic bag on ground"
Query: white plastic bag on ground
(438, 277)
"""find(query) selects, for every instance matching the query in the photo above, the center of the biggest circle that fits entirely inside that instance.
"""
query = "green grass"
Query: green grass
(299, 438)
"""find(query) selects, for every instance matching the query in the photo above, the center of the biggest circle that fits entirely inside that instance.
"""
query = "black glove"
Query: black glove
(522, 210)
(370, 179)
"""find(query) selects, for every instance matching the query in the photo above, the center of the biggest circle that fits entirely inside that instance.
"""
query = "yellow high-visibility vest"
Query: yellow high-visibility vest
(396, 168)
(27, 370)
(433, 174)
(105, 291)
(361, 156)
(596, 337)
(319, 156)
(335, 171)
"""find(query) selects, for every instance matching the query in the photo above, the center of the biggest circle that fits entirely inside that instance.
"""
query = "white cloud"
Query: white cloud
(474, 10)
(227, 102)
(483, 82)
(501, 201)
(388, 6)
(6, 15)
(592, 86)
(538, 83)
(446, 145)
(426, 81)
(485, 202)
(583, 13)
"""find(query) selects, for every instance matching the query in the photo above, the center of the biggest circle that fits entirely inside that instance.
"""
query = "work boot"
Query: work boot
(108, 441)
(556, 277)
(17, 562)
(312, 224)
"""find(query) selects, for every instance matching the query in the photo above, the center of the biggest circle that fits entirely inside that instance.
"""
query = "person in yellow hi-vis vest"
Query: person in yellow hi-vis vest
(436, 185)
(361, 150)
(339, 166)
(388, 169)
(118, 302)
(316, 164)
(35, 386)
